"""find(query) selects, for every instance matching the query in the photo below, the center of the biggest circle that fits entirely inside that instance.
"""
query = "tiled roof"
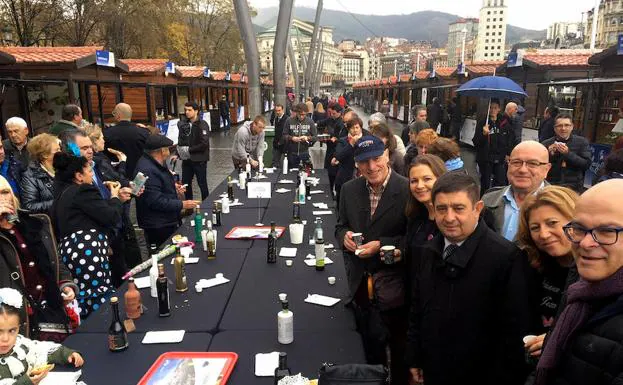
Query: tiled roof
(445, 71)
(236, 77)
(190, 71)
(145, 65)
(49, 54)
(405, 77)
(483, 67)
(421, 75)
(558, 57)
(218, 75)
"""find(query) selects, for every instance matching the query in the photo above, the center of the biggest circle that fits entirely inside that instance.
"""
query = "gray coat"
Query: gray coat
(388, 224)
(494, 205)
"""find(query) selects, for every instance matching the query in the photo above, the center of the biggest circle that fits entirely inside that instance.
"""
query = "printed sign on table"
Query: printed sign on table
(258, 190)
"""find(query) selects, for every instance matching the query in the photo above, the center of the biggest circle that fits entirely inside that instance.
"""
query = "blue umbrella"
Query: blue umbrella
(492, 87)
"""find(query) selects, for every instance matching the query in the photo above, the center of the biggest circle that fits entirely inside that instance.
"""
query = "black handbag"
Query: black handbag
(353, 374)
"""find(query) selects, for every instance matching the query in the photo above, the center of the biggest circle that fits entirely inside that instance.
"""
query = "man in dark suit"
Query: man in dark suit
(279, 120)
(374, 205)
(126, 137)
(468, 310)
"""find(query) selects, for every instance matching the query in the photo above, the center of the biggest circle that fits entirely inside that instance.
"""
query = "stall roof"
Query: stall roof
(583, 81)
(482, 68)
(555, 58)
(11, 55)
(190, 71)
(445, 71)
(145, 65)
(597, 58)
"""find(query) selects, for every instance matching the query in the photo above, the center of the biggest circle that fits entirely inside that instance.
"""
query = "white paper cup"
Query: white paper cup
(283, 297)
(331, 280)
(528, 338)
(296, 233)
(288, 262)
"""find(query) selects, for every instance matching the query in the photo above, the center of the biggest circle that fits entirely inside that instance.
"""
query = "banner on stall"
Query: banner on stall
(205, 116)
(169, 68)
(599, 152)
(515, 59)
(206, 72)
(424, 96)
(620, 45)
(104, 58)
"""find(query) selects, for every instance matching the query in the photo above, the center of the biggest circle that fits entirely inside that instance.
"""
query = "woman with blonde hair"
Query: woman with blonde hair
(38, 179)
(320, 114)
(552, 268)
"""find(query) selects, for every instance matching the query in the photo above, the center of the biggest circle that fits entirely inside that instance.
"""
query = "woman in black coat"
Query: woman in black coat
(551, 266)
(344, 153)
(83, 218)
(38, 179)
(28, 252)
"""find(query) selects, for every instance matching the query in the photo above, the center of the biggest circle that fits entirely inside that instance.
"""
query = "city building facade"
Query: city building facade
(459, 31)
(609, 23)
(491, 31)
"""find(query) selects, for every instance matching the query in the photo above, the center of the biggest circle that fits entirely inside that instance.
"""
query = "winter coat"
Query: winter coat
(37, 189)
(279, 124)
(126, 137)
(546, 130)
(108, 172)
(468, 312)
(159, 205)
(568, 169)
(498, 144)
(196, 136)
(10, 149)
(39, 235)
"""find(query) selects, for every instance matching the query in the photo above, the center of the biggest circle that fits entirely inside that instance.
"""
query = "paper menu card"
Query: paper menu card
(64, 378)
(286, 181)
(322, 212)
(322, 300)
(282, 190)
(219, 279)
(164, 337)
(142, 282)
(288, 252)
(266, 363)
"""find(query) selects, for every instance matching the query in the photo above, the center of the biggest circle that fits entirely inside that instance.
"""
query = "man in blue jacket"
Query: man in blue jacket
(158, 209)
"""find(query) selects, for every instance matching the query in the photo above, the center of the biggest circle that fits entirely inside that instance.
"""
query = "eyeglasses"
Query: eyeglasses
(531, 164)
(603, 235)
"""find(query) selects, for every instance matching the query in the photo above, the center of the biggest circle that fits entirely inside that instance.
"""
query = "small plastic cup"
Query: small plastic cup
(331, 280)
(358, 239)
(289, 262)
(296, 233)
(198, 288)
(283, 297)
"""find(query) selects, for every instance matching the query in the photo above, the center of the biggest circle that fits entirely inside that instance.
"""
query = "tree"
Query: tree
(34, 22)
(83, 18)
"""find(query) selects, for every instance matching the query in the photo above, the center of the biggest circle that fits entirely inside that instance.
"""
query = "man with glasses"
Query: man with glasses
(528, 166)
(585, 345)
(569, 154)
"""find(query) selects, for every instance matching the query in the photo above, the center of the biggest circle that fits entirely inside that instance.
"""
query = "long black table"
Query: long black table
(240, 316)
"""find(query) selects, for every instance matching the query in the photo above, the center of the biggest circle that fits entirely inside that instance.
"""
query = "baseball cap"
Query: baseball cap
(368, 147)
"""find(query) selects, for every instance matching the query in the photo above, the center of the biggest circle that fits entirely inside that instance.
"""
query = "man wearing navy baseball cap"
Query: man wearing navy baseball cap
(374, 205)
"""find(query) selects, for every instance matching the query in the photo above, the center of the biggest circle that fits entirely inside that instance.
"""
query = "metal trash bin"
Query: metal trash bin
(269, 134)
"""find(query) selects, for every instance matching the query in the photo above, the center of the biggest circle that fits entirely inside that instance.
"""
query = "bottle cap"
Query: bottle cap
(114, 299)
(283, 297)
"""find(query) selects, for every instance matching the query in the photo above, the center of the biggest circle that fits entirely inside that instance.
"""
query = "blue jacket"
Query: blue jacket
(159, 205)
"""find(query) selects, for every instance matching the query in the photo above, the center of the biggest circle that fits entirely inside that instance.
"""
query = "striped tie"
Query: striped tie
(449, 250)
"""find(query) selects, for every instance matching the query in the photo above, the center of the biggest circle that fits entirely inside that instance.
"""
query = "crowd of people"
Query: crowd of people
(506, 278)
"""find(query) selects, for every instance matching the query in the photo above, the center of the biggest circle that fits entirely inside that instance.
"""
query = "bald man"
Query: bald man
(528, 166)
(584, 346)
(126, 137)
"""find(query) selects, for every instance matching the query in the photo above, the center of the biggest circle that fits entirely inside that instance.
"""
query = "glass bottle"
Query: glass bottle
(117, 335)
(296, 212)
(180, 271)
(319, 251)
(198, 225)
(230, 189)
(211, 242)
(285, 324)
(282, 370)
(164, 305)
(271, 253)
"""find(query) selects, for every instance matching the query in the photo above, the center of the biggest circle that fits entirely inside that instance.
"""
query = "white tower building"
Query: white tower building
(491, 31)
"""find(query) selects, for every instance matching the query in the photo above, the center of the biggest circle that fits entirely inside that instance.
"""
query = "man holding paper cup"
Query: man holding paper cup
(374, 206)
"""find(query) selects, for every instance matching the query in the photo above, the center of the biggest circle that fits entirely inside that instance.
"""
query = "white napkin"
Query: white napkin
(164, 337)
(266, 363)
(64, 378)
(329, 246)
(282, 190)
(322, 300)
(188, 261)
(286, 181)
(142, 282)
(312, 261)
(312, 192)
(288, 252)
(269, 170)
(320, 205)
(219, 279)
(236, 202)
(322, 212)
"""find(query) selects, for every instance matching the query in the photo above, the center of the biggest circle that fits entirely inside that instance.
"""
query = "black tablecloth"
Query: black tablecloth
(191, 311)
(103, 367)
(305, 355)
(255, 303)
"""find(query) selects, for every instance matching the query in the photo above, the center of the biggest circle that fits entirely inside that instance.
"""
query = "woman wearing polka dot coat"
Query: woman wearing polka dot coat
(82, 219)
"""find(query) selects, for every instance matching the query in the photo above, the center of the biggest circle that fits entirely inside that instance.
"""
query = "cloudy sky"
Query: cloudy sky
(532, 14)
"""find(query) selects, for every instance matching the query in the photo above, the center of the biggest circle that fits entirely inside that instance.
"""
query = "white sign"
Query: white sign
(173, 131)
(468, 130)
(207, 118)
(424, 95)
(258, 190)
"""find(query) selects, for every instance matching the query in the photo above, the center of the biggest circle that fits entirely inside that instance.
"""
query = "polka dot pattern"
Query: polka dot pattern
(85, 253)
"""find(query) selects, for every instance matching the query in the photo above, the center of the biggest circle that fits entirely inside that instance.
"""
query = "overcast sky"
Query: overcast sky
(532, 14)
